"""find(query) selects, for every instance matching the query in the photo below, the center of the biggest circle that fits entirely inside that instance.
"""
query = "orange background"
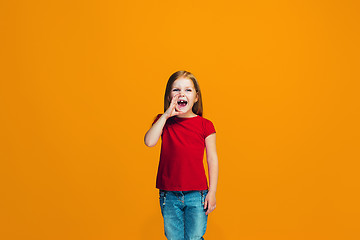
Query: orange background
(81, 82)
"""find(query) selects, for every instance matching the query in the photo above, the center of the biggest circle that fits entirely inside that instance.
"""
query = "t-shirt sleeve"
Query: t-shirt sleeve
(156, 118)
(209, 128)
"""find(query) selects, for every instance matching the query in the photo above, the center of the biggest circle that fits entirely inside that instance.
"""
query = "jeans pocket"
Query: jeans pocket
(203, 196)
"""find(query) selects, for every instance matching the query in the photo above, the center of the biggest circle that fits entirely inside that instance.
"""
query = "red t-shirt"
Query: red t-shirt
(182, 151)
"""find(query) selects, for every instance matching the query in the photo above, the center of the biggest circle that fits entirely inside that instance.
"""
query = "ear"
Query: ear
(197, 97)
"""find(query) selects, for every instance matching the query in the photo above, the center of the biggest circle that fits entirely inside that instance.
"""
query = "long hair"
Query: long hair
(198, 106)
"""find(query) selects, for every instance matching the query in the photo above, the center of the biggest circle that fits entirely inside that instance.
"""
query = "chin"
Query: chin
(184, 110)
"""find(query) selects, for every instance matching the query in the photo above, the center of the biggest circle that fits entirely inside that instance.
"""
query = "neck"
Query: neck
(187, 115)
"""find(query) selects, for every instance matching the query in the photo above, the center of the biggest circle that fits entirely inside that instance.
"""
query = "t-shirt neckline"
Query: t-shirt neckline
(185, 118)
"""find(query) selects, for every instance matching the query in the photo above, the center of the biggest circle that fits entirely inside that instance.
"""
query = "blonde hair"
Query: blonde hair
(198, 106)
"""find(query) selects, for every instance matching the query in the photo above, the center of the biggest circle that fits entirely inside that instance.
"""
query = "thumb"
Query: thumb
(205, 204)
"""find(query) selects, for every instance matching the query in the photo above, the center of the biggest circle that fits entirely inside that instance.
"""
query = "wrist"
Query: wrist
(211, 191)
(165, 116)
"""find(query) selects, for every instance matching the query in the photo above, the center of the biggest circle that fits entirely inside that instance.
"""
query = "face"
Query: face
(188, 95)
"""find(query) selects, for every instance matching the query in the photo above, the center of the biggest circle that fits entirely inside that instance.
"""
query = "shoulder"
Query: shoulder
(207, 126)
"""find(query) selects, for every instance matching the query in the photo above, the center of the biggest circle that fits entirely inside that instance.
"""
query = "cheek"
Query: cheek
(192, 96)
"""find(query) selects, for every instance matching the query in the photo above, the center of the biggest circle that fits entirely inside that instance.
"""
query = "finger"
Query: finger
(177, 109)
(210, 209)
(175, 97)
(213, 208)
(174, 100)
(205, 204)
(173, 107)
(177, 112)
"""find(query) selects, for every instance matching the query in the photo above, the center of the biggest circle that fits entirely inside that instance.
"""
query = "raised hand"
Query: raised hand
(172, 110)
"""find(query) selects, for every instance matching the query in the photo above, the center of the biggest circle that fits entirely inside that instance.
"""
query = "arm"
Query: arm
(213, 167)
(152, 136)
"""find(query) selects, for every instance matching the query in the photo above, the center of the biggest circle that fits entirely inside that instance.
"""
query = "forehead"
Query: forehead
(183, 82)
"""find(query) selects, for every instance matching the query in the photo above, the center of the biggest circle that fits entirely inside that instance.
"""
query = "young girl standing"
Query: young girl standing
(185, 198)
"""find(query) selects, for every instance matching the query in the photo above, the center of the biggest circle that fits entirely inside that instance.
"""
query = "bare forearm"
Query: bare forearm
(212, 162)
(152, 136)
(213, 169)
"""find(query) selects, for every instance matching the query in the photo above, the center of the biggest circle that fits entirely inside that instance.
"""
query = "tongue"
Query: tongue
(182, 104)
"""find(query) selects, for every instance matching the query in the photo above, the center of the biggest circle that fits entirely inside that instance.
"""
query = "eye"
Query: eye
(175, 89)
(188, 90)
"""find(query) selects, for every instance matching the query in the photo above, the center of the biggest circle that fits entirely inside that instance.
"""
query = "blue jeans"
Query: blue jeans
(184, 214)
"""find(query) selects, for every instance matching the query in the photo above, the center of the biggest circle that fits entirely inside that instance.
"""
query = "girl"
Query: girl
(185, 198)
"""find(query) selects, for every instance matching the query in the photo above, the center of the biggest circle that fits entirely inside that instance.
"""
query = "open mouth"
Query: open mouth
(182, 103)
